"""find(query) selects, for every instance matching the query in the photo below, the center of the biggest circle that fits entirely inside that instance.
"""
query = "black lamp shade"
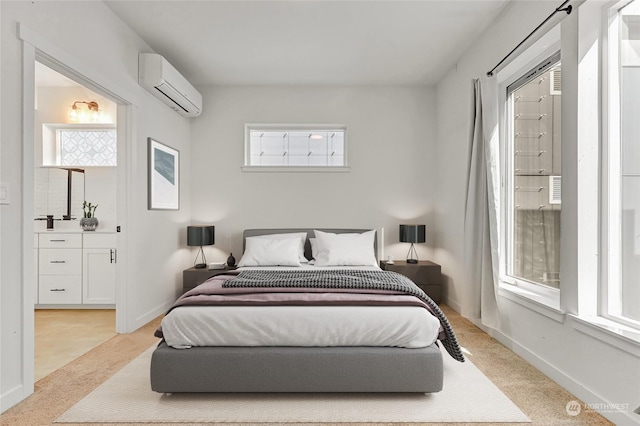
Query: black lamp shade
(412, 233)
(200, 235)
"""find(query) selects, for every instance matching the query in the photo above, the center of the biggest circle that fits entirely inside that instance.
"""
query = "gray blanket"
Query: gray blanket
(349, 279)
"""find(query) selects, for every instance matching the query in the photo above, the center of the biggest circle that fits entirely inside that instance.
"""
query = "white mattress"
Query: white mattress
(399, 326)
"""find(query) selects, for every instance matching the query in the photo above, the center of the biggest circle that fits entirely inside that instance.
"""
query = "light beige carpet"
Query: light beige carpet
(468, 396)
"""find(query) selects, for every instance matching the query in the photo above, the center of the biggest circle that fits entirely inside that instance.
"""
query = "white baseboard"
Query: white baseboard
(562, 379)
(12, 397)
(150, 316)
(453, 304)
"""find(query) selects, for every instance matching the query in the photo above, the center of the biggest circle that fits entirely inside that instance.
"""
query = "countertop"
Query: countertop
(71, 231)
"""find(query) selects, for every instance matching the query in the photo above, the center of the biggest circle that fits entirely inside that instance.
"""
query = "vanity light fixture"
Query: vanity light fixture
(77, 115)
(315, 136)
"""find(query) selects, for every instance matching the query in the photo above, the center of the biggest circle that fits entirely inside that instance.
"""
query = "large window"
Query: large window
(534, 175)
(621, 230)
(293, 146)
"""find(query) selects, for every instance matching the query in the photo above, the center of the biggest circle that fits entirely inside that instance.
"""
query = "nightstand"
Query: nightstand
(427, 275)
(192, 277)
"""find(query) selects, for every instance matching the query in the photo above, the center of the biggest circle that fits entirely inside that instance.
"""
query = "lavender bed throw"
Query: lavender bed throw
(354, 280)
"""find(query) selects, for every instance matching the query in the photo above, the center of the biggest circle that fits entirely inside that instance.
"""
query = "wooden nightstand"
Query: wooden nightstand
(192, 277)
(427, 275)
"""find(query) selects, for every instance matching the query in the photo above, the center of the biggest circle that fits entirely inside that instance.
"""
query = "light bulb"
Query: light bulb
(73, 114)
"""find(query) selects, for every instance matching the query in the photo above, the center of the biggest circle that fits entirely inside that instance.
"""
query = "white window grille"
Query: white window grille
(296, 147)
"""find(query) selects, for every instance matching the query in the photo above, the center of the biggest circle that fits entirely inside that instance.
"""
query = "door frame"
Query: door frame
(37, 48)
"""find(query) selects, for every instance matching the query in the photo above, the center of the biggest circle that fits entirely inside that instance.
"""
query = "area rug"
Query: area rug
(468, 396)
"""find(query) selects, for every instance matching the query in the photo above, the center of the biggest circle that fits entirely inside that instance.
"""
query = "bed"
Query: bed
(303, 327)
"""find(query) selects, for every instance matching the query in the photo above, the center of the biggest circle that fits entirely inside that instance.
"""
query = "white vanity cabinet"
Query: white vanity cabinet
(60, 269)
(76, 269)
(99, 269)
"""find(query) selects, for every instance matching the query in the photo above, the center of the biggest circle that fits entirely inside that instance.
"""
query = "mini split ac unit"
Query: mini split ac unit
(555, 189)
(160, 78)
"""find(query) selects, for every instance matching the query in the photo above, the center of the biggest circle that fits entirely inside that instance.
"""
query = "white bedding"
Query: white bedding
(399, 326)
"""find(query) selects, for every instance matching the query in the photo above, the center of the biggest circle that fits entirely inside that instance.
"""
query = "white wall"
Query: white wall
(594, 369)
(95, 40)
(390, 134)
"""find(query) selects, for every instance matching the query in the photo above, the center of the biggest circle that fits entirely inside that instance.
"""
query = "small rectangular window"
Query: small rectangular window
(87, 147)
(295, 147)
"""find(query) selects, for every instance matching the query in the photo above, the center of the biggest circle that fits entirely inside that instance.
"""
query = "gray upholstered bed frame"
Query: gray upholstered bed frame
(296, 369)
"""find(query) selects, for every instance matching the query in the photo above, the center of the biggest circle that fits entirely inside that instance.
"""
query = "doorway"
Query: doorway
(75, 163)
(62, 335)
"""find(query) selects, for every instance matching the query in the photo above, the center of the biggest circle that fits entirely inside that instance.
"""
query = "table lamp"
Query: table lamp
(200, 236)
(412, 234)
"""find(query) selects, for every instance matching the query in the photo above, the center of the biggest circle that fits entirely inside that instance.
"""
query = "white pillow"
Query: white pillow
(301, 235)
(270, 252)
(345, 249)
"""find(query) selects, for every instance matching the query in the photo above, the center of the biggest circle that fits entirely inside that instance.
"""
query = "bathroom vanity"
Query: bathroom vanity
(75, 268)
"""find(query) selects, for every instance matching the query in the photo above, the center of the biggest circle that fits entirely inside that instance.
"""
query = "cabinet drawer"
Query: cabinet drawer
(99, 240)
(60, 241)
(60, 261)
(60, 289)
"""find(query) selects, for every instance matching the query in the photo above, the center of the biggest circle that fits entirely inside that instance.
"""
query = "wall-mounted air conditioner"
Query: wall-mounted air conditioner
(555, 189)
(555, 82)
(160, 78)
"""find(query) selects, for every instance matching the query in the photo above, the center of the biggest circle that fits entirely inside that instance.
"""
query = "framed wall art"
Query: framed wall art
(164, 176)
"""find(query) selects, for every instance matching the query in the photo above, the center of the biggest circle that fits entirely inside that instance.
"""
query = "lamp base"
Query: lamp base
(412, 255)
(202, 264)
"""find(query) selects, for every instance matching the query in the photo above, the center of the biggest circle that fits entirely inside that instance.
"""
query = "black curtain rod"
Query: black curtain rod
(560, 8)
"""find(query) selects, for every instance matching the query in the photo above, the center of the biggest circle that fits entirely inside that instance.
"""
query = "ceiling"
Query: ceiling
(310, 42)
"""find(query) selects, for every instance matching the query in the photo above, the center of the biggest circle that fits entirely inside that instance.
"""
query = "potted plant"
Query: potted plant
(89, 222)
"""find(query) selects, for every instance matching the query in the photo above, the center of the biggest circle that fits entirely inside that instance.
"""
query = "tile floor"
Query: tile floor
(62, 335)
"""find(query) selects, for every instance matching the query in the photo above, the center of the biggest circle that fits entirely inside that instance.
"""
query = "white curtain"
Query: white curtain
(481, 218)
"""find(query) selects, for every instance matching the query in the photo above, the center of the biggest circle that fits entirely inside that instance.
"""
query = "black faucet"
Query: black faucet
(49, 220)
